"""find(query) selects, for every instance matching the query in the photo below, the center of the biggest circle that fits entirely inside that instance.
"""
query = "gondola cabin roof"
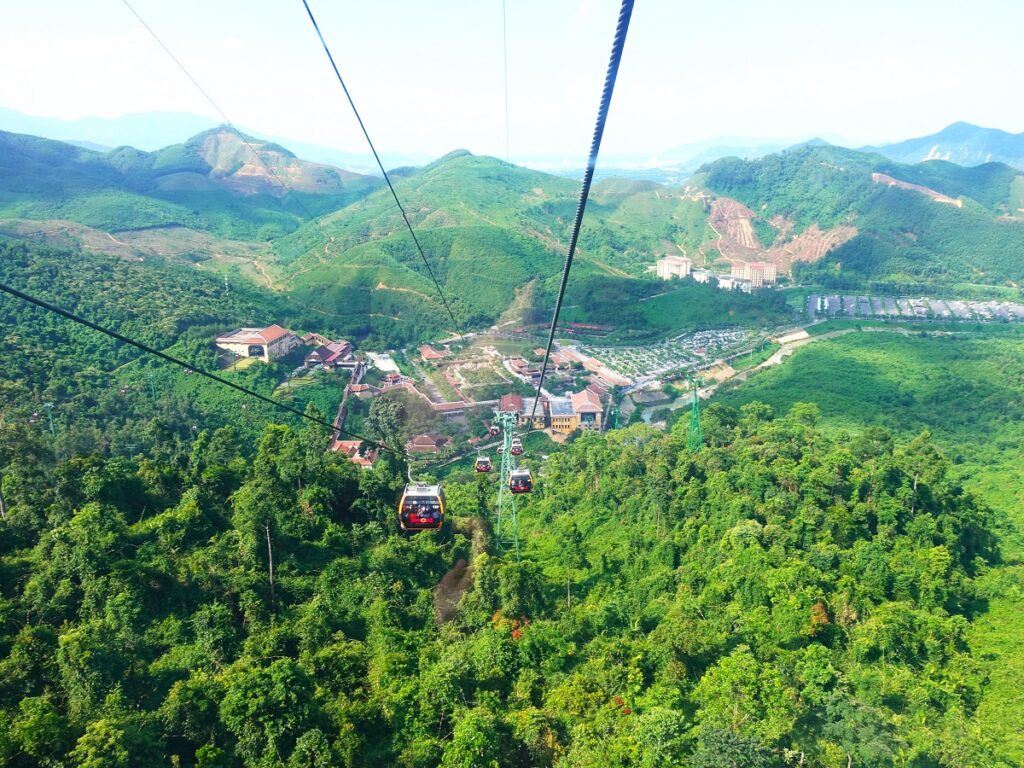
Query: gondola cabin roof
(423, 489)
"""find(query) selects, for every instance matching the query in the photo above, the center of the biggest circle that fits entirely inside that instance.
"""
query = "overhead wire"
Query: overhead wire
(373, 149)
(622, 27)
(68, 315)
(288, 189)
(504, 51)
(242, 137)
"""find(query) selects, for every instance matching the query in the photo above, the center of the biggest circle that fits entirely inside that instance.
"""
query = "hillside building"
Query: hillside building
(428, 354)
(540, 417)
(730, 283)
(673, 266)
(263, 343)
(701, 275)
(562, 417)
(580, 410)
(761, 274)
(330, 355)
(427, 444)
(353, 449)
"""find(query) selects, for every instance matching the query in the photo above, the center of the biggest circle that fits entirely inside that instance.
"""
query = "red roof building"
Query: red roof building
(427, 443)
(264, 343)
(364, 391)
(351, 449)
(429, 354)
(511, 403)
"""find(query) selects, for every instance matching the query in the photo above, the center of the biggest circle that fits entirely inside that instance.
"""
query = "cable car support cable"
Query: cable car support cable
(42, 304)
(602, 115)
(373, 149)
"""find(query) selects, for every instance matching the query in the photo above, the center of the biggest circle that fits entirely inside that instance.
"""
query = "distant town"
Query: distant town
(585, 386)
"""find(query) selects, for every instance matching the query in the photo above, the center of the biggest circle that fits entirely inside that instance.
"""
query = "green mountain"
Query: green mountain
(934, 224)
(211, 183)
(109, 395)
(495, 236)
(960, 143)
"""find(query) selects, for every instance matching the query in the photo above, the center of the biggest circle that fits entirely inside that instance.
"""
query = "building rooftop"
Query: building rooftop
(512, 403)
(528, 407)
(266, 335)
(585, 402)
(560, 406)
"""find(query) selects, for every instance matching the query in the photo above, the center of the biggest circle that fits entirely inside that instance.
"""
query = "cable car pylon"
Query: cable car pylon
(506, 522)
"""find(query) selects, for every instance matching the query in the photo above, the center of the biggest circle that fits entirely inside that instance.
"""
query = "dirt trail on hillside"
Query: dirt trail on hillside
(459, 580)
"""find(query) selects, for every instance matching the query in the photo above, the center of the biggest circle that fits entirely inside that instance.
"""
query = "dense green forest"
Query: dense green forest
(187, 578)
(968, 392)
(109, 397)
(780, 597)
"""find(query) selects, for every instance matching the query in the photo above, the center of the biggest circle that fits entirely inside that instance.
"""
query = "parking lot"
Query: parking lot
(687, 351)
(824, 306)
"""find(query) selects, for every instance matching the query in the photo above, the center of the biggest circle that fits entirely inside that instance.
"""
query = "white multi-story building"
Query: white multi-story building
(673, 266)
(761, 274)
(701, 275)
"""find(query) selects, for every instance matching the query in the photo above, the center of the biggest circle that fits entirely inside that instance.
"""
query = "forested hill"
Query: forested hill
(933, 224)
(211, 183)
(479, 216)
(109, 397)
(780, 597)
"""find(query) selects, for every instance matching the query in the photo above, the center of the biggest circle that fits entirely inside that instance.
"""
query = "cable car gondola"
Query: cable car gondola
(520, 481)
(517, 447)
(495, 430)
(421, 507)
(483, 464)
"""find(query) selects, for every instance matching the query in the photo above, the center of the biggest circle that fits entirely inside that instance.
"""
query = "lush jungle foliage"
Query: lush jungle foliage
(110, 397)
(780, 598)
(968, 392)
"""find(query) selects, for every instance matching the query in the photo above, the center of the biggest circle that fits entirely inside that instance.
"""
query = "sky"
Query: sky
(428, 77)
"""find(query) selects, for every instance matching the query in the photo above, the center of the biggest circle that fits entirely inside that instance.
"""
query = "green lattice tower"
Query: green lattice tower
(695, 441)
(506, 523)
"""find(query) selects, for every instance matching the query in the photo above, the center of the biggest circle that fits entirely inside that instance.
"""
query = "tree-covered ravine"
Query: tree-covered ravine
(787, 596)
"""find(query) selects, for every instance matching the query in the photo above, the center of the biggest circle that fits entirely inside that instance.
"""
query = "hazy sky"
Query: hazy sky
(427, 74)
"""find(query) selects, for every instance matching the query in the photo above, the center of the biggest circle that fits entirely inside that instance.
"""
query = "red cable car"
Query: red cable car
(517, 447)
(520, 481)
(501, 449)
(495, 430)
(421, 507)
(483, 464)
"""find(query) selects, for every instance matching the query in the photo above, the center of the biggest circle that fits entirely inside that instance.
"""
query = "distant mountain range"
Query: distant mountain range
(960, 143)
(151, 131)
(211, 183)
(496, 232)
